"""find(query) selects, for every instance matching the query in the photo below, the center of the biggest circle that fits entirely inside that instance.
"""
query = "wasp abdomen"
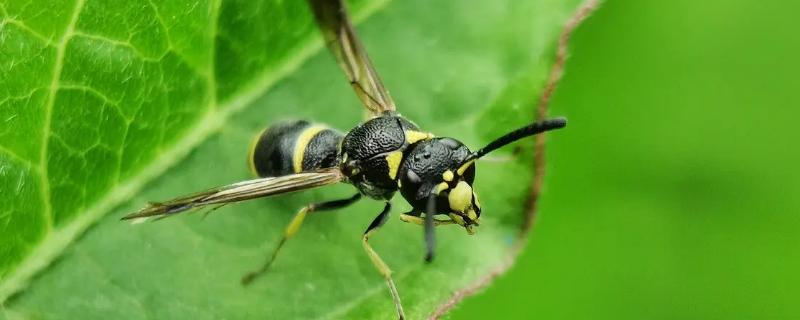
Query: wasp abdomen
(294, 146)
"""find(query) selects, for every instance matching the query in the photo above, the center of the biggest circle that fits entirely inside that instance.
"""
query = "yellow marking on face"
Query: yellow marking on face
(464, 167)
(393, 160)
(477, 203)
(460, 197)
(302, 142)
(251, 153)
(441, 187)
(447, 176)
(414, 136)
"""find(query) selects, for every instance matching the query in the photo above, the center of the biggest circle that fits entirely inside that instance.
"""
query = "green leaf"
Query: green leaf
(104, 97)
(100, 97)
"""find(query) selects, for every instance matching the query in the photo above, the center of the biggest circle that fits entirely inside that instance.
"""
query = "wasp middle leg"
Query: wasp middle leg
(376, 259)
(294, 226)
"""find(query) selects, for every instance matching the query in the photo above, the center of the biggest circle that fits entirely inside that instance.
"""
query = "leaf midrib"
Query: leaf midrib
(56, 241)
(61, 47)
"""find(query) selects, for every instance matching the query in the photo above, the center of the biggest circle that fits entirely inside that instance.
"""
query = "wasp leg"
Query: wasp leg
(376, 259)
(413, 217)
(293, 226)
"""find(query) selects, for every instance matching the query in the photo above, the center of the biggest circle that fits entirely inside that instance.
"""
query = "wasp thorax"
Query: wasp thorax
(372, 153)
(432, 167)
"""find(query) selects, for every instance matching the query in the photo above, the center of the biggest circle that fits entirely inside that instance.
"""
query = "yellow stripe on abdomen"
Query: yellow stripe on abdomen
(302, 142)
(251, 153)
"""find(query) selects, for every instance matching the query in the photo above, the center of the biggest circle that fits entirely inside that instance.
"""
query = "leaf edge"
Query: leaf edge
(583, 11)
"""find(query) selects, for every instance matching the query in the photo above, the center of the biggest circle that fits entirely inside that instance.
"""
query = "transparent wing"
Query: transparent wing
(339, 35)
(240, 191)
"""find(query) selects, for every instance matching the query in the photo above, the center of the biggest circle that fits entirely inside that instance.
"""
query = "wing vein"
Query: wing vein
(241, 191)
(341, 39)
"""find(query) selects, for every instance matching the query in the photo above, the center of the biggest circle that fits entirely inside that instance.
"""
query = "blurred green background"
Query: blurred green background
(674, 192)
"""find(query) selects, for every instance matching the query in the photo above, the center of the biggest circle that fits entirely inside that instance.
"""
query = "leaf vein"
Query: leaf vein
(212, 67)
(121, 43)
(13, 155)
(20, 24)
(161, 22)
(56, 241)
(57, 67)
(90, 90)
(139, 53)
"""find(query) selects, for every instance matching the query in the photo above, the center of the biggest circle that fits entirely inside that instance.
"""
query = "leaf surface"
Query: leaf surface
(103, 97)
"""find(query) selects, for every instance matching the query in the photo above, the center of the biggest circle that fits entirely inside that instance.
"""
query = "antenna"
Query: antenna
(526, 131)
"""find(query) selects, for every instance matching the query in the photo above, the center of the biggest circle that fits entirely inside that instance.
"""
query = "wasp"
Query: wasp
(383, 155)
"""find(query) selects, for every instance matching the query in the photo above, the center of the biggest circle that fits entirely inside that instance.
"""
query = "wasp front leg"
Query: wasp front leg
(414, 218)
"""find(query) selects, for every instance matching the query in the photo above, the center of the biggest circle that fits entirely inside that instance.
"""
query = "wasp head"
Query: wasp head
(435, 179)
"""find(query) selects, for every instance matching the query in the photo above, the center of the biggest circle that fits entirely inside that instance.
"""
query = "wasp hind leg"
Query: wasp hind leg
(294, 226)
(378, 262)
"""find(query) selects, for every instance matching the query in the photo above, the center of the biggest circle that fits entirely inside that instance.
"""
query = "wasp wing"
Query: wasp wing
(339, 35)
(240, 191)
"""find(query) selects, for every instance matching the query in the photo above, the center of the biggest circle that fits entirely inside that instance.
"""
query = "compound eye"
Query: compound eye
(451, 143)
(413, 177)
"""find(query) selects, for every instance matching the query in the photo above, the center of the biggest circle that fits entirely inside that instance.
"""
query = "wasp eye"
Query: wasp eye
(451, 143)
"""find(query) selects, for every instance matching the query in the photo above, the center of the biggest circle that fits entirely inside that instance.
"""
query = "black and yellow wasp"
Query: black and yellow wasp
(379, 157)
